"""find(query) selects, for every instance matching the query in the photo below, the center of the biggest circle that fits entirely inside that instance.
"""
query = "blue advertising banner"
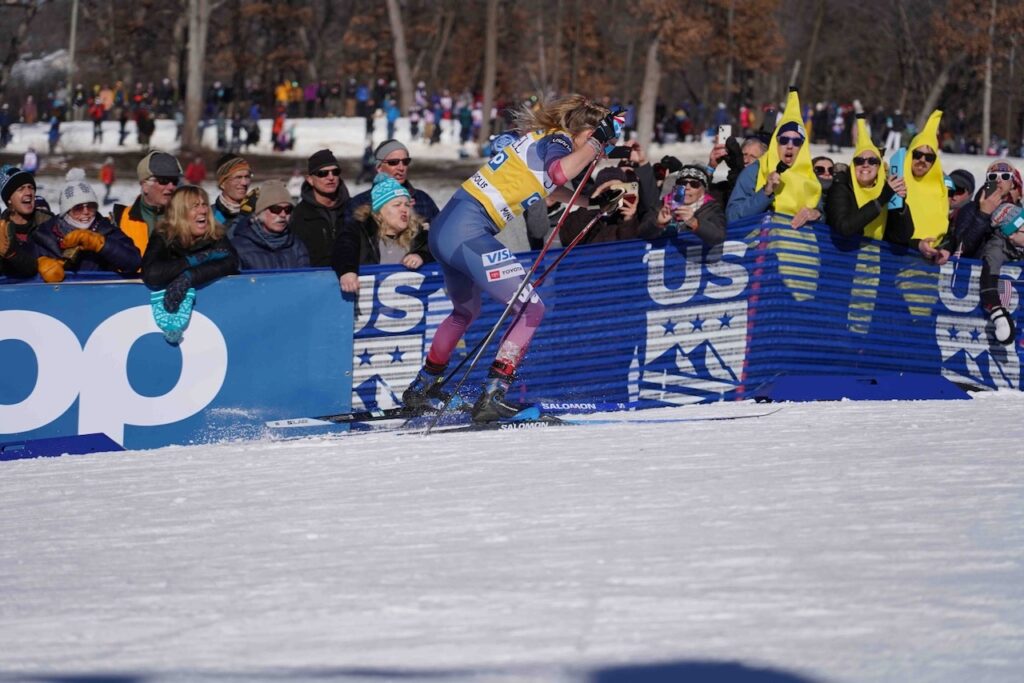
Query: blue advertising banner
(87, 357)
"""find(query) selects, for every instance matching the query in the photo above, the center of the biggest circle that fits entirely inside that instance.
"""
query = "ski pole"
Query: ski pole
(516, 296)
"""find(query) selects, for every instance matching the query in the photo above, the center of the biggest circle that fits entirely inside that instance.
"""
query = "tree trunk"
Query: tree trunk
(574, 54)
(542, 61)
(1010, 95)
(402, 71)
(938, 85)
(812, 46)
(178, 47)
(490, 69)
(729, 60)
(986, 102)
(198, 26)
(556, 52)
(649, 94)
(446, 32)
(14, 47)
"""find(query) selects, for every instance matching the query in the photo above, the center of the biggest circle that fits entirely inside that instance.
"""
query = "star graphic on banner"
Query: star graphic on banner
(698, 323)
(365, 358)
(670, 327)
(725, 320)
(953, 332)
(396, 355)
(975, 335)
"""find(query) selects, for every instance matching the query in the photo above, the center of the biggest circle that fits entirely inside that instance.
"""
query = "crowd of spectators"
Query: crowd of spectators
(176, 238)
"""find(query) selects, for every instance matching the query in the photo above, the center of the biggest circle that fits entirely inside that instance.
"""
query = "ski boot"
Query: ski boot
(1003, 328)
(425, 394)
(492, 406)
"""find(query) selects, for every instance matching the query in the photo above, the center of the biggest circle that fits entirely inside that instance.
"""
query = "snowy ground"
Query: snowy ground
(834, 542)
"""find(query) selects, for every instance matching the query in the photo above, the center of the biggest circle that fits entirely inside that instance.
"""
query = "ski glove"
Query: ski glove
(86, 239)
(209, 255)
(606, 130)
(175, 292)
(50, 269)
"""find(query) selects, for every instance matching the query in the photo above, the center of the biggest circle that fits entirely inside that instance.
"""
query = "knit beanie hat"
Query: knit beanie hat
(321, 159)
(158, 164)
(387, 147)
(227, 165)
(272, 193)
(695, 171)
(385, 188)
(1007, 217)
(76, 191)
(963, 180)
(11, 178)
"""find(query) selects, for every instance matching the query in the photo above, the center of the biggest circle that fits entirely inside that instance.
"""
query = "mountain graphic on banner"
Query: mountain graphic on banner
(375, 392)
(703, 362)
(979, 368)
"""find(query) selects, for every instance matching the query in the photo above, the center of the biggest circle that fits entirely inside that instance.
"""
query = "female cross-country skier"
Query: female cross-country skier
(566, 136)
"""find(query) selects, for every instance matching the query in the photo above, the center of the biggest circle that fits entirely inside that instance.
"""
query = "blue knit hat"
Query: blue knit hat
(385, 188)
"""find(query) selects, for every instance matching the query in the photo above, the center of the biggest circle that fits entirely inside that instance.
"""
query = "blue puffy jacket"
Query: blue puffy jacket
(118, 254)
(255, 252)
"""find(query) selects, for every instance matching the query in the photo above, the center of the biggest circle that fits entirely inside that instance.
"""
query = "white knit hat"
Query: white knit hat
(76, 191)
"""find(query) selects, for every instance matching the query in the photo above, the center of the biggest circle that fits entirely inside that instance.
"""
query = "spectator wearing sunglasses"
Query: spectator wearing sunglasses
(783, 179)
(385, 231)
(1005, 244)
(858, 200)
(689, 208)
(971, 219)
(159, 174)
(319, 214)
(80, 239)
(263, 239)
(392, 159)
(923, 221)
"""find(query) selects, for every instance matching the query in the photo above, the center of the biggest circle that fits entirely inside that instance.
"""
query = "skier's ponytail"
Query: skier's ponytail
(572, 113)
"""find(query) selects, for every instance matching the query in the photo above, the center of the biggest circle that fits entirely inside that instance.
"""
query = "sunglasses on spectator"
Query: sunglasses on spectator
(794, 140)
(692, 182)
(867, 161)
(992, 177)
(79, 208)
(957, 190)
(822, 170)
(395, 162)
(165, 179)
(324, 172)
(930, 157)
(278, 209)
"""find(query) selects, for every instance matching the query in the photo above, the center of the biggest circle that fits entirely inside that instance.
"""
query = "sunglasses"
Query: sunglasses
(930, 157)
(794, 140)
(822, 170)
(867, 161)
(78, 208)
(165, 179)
(395, 162)
(692, 183)
(278, 209)
(992, 177)
(324, 172)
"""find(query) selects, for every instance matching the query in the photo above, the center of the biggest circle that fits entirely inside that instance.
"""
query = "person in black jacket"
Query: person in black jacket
(80, 239)
(17, 259)
(971, 224)
(187, 249)
(691, 208)
(263, 239)
(385, 231)
(319, 215)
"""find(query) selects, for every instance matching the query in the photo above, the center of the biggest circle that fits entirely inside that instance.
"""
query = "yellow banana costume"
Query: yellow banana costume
(876, 228)
(927, 196)
(800, 188)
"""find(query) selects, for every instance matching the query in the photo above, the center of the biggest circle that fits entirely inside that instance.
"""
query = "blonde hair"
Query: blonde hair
(404, 238)
(572, 113)
(175, 225)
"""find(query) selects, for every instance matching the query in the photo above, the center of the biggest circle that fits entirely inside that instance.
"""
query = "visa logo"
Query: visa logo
(493, 257)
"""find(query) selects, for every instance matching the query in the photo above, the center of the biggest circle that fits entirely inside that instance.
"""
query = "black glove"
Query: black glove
(605, 131)
(176, 291)
(734, 154)
(608, 201)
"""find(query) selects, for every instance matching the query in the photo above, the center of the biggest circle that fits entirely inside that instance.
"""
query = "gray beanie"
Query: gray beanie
(272, 193)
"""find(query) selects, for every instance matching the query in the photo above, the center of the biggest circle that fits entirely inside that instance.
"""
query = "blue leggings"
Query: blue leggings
(473, 261)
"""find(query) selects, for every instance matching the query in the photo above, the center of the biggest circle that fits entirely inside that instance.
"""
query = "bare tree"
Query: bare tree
(29, 8)
(402, 71)
(490, 69)
(198, 27)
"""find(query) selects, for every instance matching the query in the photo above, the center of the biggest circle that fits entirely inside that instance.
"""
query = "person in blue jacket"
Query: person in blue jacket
(263, 239)
(80, 239)
(564, 137)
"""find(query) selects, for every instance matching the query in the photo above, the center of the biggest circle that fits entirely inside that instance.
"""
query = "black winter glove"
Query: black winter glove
(605, 131)
(176, 291)
(608, 201)
(734, 154)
